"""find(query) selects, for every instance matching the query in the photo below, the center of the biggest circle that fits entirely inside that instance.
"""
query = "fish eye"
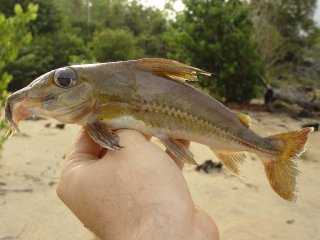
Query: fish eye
(65, 77)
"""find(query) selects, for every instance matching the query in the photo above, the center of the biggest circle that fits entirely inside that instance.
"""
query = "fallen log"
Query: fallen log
(305, 97)
(297, 96)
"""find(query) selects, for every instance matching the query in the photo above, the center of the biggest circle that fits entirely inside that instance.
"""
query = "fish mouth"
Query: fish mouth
(9, 111)
(19, 107)
(14, 127)
(8, 116)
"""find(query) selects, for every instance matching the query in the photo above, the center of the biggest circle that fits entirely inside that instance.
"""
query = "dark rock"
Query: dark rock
(52, 183)
(208, 165)
(290, 221)
(314, 125)
(60, 126)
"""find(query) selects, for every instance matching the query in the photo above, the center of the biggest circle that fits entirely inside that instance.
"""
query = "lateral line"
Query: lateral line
(171, 111)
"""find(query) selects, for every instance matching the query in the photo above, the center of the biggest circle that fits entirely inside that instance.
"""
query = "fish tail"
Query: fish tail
(281, 170)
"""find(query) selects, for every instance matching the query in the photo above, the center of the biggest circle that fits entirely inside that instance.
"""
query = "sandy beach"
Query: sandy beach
(244, 208)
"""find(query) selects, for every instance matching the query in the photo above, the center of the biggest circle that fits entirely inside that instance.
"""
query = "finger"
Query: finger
(85, 145)
(130, 137)
(148, 137)
(179, 162)
(125, 133)
(102, 153)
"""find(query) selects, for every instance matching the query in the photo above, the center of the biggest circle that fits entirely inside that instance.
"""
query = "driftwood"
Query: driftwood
(305, 97)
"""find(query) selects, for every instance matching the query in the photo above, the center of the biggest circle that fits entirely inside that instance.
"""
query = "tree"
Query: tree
(62, 35)
(13, 36)
(115, 45)
(218, 36)
(148, 25)
(145, 23)
(53, 45)
(48, 19)
(286, 33)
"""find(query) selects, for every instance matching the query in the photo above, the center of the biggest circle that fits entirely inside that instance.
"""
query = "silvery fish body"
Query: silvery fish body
(152, 96)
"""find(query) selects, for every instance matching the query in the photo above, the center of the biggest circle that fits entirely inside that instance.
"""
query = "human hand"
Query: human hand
(135, 193)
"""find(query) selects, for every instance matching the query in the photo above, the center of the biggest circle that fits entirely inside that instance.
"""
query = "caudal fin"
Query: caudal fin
(282, 171)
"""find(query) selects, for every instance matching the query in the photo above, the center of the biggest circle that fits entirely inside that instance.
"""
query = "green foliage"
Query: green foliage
(147, 25)
(115, 45)
(13, 36)
(286, 33)
(48, 15)
(47, 52)
(218, 36)
(69, 31)
(294, 20)
(54, 45)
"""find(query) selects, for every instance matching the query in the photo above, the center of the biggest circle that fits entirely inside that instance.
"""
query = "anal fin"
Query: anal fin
(231, 160)
(178, 150)
(100, 133)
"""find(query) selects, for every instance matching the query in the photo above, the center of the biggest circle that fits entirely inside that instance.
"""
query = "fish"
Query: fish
(152, 96)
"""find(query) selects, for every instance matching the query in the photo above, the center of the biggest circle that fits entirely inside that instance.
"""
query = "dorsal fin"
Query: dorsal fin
(170, 69)
(244, 119)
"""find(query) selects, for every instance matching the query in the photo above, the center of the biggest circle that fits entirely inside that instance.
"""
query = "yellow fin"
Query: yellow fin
(178, 150)
(282, 172)
(244, 119)
(231, 160)
(170, 69)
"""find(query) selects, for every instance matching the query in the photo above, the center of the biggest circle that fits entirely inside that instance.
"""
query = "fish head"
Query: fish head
(61, 94)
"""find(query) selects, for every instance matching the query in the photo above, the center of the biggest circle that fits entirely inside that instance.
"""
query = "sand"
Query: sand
(244, 208)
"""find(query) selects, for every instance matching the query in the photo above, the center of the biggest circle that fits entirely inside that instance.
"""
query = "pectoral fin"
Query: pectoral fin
(178, 150)
(231, 160)
(100, 133)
